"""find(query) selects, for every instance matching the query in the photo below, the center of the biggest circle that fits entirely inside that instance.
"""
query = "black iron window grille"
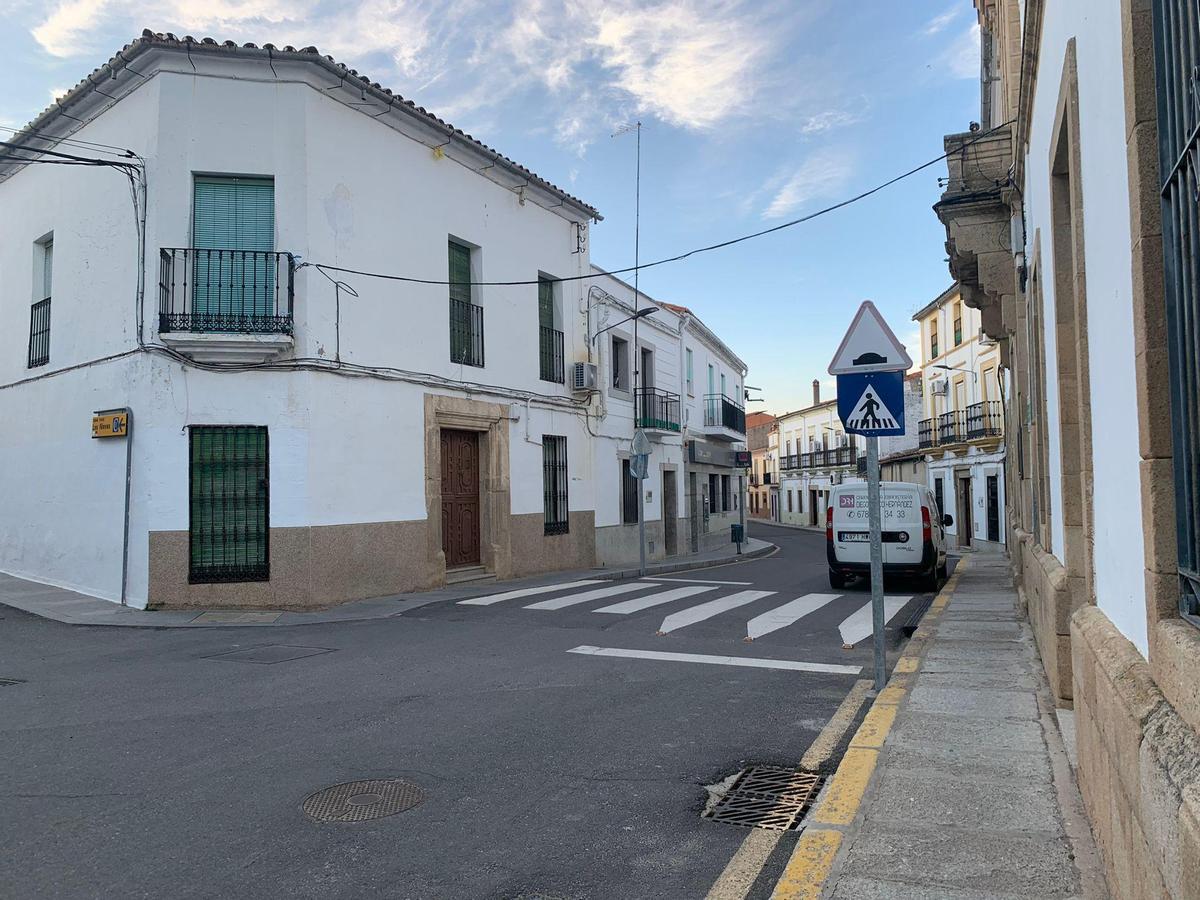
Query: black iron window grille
(225, 291)
(550, 355)
(39, 333)
(466, 317)
(1177, 72)
(229, 504)
(629, 494)
(554, 484)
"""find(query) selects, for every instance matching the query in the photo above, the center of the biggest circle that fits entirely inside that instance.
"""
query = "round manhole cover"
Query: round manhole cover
(359, 801)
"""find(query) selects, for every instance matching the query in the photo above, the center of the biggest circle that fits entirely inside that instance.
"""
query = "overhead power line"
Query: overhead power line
(412, 279)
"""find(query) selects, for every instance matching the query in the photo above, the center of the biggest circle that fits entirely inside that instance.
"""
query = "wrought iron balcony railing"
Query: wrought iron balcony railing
(721, 412)
(926, 434)
(950, 428)
(466, 333)
(657, 408)
(225, 291)
(985, 419)
(550, 355)
(831, 458)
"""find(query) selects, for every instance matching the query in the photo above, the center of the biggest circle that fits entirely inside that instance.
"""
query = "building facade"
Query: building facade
(962, 421)
(1071, 218)
(300, 434)
(758, 429)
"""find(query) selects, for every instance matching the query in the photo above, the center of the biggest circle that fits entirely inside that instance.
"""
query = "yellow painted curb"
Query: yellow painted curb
(845, 792)
(906, 664)
(811, 862)
(875, 727)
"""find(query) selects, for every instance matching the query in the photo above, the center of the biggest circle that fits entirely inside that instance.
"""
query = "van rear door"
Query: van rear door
(851, 524)
(901, 524)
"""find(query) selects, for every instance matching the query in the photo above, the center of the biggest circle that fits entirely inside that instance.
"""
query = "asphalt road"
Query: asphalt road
(134, 762)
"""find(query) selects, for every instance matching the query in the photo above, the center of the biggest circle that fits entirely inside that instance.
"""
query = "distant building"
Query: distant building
(759, 427)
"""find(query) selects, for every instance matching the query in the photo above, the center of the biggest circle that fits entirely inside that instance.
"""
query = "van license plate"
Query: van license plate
(852, 536)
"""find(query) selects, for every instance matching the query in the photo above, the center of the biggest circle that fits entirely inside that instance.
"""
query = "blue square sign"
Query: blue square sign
(872, 403)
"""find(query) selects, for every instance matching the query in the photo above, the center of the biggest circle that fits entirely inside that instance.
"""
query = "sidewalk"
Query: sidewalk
(957, 783)
(74, 608)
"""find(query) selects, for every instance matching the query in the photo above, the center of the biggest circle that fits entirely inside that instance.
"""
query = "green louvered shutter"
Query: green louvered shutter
(229, 503)
(231, 215)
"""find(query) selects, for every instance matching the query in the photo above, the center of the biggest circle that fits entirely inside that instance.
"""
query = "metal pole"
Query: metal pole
(128, 479)
(742, 508)
(876, 556)
(637, 350)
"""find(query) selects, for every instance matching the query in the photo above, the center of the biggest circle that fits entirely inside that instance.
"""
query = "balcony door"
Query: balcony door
(233, 270)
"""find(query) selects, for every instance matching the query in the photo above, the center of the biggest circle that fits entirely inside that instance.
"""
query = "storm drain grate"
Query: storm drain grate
(9, 682)
(770, 797)
(359, 801)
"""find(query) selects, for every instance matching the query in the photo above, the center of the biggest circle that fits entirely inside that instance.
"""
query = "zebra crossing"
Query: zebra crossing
(705, 601)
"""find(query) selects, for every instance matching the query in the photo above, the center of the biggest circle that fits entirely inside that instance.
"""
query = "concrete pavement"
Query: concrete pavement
(957, 785)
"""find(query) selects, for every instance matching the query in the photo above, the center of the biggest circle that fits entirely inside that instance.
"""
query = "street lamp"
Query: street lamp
(974, 374)
(640, 314)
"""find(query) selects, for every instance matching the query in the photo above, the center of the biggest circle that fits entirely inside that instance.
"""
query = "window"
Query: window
(933, 338)
(620, 363)
(554, 484)
(1178, 34)
(714, 497)
(958, 329)
(466, 318)
(712, 379)
(629, 494)
(939, 496)
(550, 336)
(722, 384)
(691, 386)
(789, 493)
(234, 283)
(726, 502)
(39, 311)
(229, 499)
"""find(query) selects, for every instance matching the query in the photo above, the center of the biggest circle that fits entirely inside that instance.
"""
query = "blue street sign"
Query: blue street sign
(872, 403)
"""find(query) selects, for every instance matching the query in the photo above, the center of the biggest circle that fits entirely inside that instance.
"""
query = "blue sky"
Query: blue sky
(753, 113)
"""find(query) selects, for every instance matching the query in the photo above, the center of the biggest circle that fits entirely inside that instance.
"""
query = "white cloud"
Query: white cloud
(822, 175)
(962, 57)
(829, 120)
(940, 23)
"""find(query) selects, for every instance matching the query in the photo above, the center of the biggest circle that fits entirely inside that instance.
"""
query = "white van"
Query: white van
(914, 533)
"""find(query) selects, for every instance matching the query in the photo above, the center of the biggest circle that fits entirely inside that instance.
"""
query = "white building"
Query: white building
(962, 422)
(300, 435)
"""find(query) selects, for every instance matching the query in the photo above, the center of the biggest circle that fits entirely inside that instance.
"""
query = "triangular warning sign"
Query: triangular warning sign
(869, 346)
(870, 413)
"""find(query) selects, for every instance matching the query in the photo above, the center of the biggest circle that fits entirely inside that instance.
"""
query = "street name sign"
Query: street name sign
(107, 423)
(869, 346)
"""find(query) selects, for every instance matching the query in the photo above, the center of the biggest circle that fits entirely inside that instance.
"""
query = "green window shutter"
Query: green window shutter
(460, 272)
(233, 214)
(229, 504)
(545, 302)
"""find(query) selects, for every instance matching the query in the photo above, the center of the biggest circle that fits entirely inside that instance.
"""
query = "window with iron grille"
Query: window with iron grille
(466, 317)
(958, 329)
(629, 494)
(550, 336)
(726, 496)
(229, 503)
(554, 483)
(39, 312)
(933, 339)
(1177, 73)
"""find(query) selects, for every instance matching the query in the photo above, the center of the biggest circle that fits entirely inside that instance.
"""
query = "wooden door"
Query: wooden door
(965, 527)
(670, 504)
(460, 498)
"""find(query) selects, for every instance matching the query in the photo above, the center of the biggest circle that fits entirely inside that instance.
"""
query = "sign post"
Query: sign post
(640, 469)
(870, 366)
(115, 423)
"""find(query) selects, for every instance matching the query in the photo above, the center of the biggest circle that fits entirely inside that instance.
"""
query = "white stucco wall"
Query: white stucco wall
(1118, 554)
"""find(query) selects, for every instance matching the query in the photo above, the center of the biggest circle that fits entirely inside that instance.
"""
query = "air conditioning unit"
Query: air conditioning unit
(584, 377)
(939, 386)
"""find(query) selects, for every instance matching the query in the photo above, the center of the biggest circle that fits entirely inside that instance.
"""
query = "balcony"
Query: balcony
(657, 410)
(985, 420)
(724, 419)
(767, 478)
(550, 355)
(466, 333)
(950, 428)
(226, 305)
(791, 461)
(833, 458)
(926, 434)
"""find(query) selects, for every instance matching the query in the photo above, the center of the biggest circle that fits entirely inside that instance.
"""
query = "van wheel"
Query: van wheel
(943, 573)
(837, 580)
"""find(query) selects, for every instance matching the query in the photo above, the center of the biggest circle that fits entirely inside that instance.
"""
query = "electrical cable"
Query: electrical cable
(680, 256)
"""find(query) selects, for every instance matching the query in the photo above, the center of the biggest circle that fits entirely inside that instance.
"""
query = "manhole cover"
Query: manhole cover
(9, 682)
(358, 801)
(768, 797)
(269, 654)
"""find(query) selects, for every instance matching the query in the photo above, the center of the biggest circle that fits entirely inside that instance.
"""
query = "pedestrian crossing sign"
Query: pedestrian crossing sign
(872, 404)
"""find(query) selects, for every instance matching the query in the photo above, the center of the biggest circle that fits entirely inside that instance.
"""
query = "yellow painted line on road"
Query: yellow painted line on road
(811, 863)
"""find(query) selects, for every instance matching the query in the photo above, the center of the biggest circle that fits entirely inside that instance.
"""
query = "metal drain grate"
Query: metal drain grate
(768, 797)
(9, 682)
(359, 801)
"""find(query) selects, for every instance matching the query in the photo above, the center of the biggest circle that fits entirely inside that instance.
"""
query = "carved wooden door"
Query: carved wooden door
(460, 498)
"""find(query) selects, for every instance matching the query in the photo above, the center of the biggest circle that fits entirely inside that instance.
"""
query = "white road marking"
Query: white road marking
(697, 580)
(598, 594)
(749, 662)
(525, 592)
(858, 625)
(637, 603)
(783, 616)
(694, 614)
